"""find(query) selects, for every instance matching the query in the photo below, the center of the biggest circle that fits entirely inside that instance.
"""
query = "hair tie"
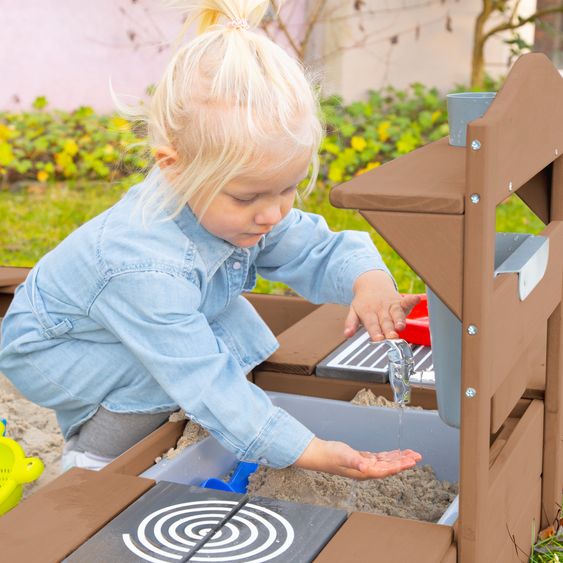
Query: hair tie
(238, 23)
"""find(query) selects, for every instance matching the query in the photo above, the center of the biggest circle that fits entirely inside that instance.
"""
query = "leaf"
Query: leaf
(6, 153)
(40, 102)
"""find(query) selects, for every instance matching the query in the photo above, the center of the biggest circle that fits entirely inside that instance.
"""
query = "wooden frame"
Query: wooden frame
(511, 476)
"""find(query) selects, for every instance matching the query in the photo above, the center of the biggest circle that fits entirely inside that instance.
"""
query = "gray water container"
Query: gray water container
(526, 255)
(363, 428)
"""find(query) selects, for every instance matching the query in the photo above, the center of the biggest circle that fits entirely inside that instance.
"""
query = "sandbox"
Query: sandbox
(364, 428)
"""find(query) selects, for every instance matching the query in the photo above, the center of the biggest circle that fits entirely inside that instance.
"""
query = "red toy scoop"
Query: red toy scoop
(417, 330)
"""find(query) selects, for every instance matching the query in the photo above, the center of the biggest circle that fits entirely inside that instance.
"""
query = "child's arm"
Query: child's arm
(378, 306)
(341, 459)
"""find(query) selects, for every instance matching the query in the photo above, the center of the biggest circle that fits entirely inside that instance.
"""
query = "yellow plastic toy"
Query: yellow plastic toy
(15, 469)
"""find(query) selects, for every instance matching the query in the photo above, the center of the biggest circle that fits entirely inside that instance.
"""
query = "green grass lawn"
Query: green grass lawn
(36, 218)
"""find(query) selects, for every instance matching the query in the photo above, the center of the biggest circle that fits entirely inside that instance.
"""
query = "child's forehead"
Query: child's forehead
(278, 175)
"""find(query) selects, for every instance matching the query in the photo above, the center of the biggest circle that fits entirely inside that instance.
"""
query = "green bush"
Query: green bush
(366, 134)
(58, 169)
(59, 146)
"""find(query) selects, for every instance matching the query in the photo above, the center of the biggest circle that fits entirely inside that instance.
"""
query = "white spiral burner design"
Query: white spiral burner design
(168, 534)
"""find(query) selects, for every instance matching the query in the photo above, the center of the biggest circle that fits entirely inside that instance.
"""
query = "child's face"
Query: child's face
(250, 206)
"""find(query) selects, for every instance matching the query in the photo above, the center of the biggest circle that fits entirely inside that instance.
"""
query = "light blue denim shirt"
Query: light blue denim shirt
(145, 319)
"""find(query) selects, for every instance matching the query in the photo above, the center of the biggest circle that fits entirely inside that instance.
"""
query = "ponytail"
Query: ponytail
(230, 101)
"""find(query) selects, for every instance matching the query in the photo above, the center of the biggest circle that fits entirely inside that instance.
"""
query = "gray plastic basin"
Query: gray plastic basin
(364, 428)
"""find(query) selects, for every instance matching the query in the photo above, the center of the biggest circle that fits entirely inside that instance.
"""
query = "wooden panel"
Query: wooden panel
(528, 372)
(451, 555)
(519, 136)
(476, 361)
(279, 311)
(430, 179)
(141, 456)
(515, 322)
(11, 276)
(553, 451)
(307, 342)
(431, 244)
(513, 486)
(371, 537)
(516, 535)
(339, 389)
(5, 301)
(59, 517)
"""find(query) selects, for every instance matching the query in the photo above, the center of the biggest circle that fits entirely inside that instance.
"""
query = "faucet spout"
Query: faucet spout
(401, 367)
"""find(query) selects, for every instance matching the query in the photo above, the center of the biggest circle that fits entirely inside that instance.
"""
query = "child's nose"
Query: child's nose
(269, 215)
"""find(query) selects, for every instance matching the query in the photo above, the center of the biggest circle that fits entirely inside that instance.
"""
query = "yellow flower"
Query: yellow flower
(436, 115)
(358, 143)
(383, 130)
(108, 149)
(119, 123)
(70, 147)
(42, 176)
(369, 167)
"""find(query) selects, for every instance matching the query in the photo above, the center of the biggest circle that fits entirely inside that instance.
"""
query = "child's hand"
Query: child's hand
(340, 459)
(378, 306)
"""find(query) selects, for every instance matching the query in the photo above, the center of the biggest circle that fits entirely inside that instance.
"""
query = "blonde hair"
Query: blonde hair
(229, 103)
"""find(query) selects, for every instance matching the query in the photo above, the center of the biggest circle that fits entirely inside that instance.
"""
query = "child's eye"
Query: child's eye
(244, 200)
(289, 190)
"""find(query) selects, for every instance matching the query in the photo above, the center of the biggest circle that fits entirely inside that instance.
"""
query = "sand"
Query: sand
(415, 493)
(36, 431)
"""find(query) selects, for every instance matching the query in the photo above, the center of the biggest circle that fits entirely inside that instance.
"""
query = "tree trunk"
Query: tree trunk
(478, 54)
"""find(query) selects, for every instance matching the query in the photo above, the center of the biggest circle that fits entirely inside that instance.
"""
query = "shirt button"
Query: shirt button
(236, 266)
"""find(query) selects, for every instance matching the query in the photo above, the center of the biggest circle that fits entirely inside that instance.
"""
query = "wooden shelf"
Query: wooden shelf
(428, 180)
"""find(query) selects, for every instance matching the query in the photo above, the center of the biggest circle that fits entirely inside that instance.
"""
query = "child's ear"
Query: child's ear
(165, 156)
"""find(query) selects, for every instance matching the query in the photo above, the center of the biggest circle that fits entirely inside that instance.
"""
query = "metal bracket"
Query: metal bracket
(525, 255)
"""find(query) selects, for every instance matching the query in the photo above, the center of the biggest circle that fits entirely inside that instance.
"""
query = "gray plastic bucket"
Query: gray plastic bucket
(464, 107)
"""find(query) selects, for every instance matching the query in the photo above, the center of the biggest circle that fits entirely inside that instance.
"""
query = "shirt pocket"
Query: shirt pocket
(51, 327)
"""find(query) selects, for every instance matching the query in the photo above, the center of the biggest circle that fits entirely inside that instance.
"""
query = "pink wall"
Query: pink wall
(68, 50)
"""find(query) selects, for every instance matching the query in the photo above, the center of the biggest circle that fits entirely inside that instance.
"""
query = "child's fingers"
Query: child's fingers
(408, 302)
(351, 323)
(398, 315)
(371, 324)
(388, 326)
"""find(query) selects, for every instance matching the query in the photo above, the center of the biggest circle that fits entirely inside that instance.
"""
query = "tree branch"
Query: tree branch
(283, 28)
(315, 14)
(515, 25)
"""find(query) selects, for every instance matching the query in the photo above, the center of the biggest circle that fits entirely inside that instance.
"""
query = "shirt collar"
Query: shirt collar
(212, 249)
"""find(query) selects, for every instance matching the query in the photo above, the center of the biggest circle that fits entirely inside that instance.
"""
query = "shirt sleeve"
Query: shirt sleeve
(318, 263)
(156, 317)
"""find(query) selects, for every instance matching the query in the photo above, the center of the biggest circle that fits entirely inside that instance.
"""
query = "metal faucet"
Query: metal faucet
(401, 367)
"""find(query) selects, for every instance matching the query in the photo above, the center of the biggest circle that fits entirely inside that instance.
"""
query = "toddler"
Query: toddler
(140, 312)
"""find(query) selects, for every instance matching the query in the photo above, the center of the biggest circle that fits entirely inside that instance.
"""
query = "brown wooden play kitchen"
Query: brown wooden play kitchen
(436, 207)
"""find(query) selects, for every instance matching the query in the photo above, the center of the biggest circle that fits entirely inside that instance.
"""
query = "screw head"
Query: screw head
(470, 392)
(472, 330)
(474, 198)
(475, 144)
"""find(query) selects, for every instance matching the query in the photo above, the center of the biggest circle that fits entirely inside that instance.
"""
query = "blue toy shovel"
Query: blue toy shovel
(238, 481)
